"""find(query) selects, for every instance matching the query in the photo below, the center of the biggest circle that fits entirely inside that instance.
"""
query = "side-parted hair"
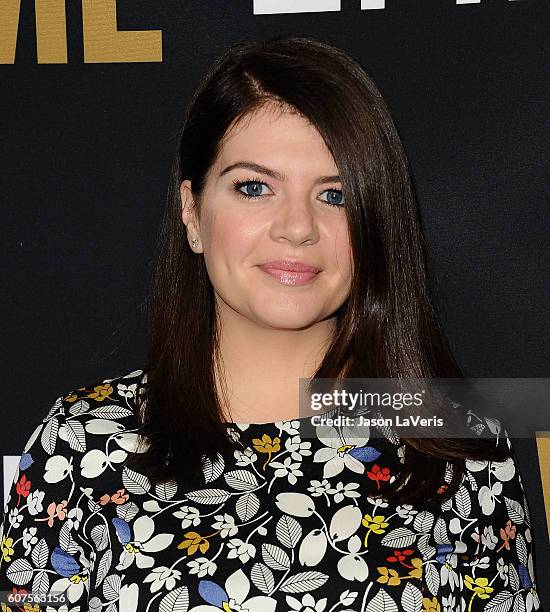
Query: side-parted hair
(387, 327)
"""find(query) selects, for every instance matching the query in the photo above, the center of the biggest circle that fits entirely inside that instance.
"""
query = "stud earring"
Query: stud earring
(194, 242)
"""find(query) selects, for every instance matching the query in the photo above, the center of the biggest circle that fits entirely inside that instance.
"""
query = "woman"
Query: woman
(290, 248)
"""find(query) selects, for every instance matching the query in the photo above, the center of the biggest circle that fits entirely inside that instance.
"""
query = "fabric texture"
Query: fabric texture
(284, 523)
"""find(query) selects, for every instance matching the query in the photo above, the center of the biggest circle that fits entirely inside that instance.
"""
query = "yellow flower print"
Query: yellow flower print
(193, 542)
(7, 549)
(388, 576)
(417, 571)
(267, 445)
(29, 608)
(392, 578)
(101, 392)
(480, 588)
(376, 524)
(430, 605)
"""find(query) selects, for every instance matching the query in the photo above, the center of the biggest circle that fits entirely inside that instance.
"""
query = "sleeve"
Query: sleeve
(44, 551)
(483, 540)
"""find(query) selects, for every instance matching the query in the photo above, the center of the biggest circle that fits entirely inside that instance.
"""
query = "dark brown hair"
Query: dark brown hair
(387, 328)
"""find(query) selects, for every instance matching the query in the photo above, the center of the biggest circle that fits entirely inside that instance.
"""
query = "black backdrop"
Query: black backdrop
(88, 124)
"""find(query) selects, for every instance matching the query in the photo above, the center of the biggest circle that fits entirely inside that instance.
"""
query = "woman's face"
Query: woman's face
(294, 213)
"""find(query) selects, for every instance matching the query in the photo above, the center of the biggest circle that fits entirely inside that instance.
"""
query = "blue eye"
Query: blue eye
(253, 188)
(338, 200)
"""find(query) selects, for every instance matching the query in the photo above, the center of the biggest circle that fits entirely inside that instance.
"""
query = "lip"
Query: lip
(289, 266)
(291, 273)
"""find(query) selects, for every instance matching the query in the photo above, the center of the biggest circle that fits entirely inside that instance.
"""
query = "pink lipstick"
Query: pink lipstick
(293, 273)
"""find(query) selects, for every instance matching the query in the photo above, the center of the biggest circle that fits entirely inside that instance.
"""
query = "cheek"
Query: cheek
(343, 252)
(227, 238)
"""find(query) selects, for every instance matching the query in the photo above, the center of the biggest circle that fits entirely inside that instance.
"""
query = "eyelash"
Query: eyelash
(238, 184)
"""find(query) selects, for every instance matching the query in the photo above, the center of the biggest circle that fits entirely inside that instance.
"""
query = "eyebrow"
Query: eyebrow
(272, 173)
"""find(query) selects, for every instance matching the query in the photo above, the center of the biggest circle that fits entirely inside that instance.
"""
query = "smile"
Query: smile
(288, 277)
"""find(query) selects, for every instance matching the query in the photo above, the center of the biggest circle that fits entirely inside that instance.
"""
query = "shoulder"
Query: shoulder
(92, 426)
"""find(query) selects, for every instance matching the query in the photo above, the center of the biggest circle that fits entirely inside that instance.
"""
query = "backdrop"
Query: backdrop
(92, 93)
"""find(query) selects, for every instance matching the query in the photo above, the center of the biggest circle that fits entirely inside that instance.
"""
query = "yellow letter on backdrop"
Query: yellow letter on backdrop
(104, 44)
(51, 31)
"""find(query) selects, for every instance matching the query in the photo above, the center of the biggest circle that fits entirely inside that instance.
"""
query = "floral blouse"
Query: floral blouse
(283, 523)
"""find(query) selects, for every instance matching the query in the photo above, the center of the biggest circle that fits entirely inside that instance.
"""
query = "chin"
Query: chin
(286, 319)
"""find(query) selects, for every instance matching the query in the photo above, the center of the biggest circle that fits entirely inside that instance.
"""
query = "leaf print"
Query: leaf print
(275, 557)
(49, 435)
(463, 502)
(20, 571)
(423, 521)
(108, 411)
(262, 577)
(127, 511)
(40, 553)
(100, 536)
(285, 531)
(104, 566)
(304, 581)
(241, 480)
(247, 506)
(399, 538)
(209, 496)
(501, 602)
(288, 531)
(431, 575)
(515, 510)
(175, 601)
(212, 469)
(411, 598)
(166, 490)
(382, 602)
(41, 582)
(135, 483)
(73, 432)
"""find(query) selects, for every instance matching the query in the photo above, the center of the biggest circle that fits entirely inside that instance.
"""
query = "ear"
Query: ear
(189, 215)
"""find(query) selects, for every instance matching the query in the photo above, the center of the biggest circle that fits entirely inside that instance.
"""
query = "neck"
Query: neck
(261, 366)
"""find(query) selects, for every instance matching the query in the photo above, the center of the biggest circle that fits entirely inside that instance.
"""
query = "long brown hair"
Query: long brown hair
(387, 328)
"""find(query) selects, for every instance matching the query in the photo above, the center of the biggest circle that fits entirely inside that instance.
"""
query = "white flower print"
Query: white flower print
(233, 597)
(202, 567)
(287, 468)
(189, 516)
(308, 604)
(143, 542)
(304, 529)
(34, 502)
(336, 453)
(243, 550)
(226, 524)
(298, 448)
(318, 487)
(162, 577)
(246, 457)
(341, 490)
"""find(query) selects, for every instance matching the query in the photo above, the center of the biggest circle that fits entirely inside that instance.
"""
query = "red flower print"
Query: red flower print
(507, 534)
(23, 487)
(120, 497)
(377, 473)
(400, 556)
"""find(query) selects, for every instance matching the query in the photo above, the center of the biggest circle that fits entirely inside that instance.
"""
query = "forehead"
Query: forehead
(276, 134)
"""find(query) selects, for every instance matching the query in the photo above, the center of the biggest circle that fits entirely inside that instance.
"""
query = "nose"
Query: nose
(295, 222)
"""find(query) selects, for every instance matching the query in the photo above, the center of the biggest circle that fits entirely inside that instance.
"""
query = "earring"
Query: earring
(194, 242)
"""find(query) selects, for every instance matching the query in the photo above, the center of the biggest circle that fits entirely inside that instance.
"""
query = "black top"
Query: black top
(285, 523)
